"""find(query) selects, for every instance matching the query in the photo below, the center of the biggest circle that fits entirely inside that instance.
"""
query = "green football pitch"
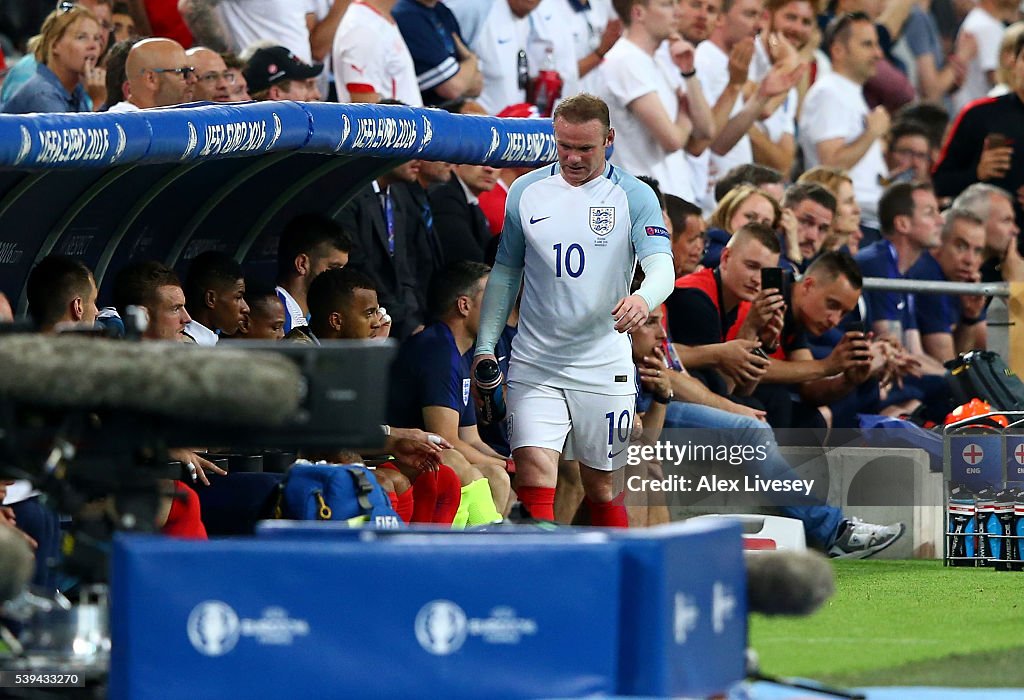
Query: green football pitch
(904, 623)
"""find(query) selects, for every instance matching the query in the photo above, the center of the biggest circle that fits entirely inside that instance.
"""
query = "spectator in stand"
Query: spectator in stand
(213, 80)
(657, 105)
(723, 68)
(811, 210)
(689, 234)
(783, 40)
(370, 58)
(232, 25)
(765, 179)
(158, 75)
(986, 23)
(908, 152)
(160, 18)
(27, 66)
(595, 28)
(1007, 60)
(430, 386)
(309, 244)
(742, 205)
(215, 295)
(703, 307)
(461, 225)
(983, 143)
(238, 89)
(492, 203)
(696, 19)
(445, 68)
(515, 40)
(275, 73)
(994, 206)
(836, 127)
(266, 317)
(933, 74)
(948, 324)
(123, 22)
(911, 224)
(117, 77)
(845, 234)
(382, 231)
(67, 57)
(933, 118)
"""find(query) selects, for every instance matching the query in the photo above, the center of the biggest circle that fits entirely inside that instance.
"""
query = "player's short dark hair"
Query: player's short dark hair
(679, 210)
(834, 264)
(839, 29)
(582, 108)
(898, 200)
(746, 174)
(656, 186)
(52, 284)
(451, 282)
(304, 234)
(136, 284)
(332, 289)
(801, 191)
(756, 231)
(210, 270)
(260, 296)
(623, 8)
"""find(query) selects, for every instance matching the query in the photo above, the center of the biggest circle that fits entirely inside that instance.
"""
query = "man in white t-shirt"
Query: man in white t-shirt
(233, 25)
(514, 40)
(595, 27)
(656, 106)
(986, 24)
(836, 127)
(371, 60)
(723, 64)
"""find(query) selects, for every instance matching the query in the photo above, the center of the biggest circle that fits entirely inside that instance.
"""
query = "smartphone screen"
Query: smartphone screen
(774, 278)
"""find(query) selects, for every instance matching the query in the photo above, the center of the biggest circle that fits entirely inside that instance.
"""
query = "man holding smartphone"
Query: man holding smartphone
(982, 143)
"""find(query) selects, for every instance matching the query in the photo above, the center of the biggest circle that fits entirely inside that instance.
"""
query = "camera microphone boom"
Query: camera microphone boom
(254, 389)
(788, 582)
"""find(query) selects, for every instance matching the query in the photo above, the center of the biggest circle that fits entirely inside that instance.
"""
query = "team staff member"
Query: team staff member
(573, 232)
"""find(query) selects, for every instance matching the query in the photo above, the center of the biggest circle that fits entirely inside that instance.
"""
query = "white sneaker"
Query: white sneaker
(860, 539)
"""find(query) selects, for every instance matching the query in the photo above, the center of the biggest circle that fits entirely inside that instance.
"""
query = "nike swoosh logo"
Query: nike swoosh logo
(504, 41)
(616, 454)
(502, 358)
(537, 221)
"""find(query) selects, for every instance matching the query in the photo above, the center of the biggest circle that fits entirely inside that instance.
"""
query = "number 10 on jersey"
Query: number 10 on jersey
(572, 262)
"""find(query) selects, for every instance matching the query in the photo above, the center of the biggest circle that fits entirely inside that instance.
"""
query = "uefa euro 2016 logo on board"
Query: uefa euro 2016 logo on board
(602, 220)
(441, 627)
(213, 628)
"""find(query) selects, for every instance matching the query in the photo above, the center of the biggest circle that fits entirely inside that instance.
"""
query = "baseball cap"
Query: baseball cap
(274, 64)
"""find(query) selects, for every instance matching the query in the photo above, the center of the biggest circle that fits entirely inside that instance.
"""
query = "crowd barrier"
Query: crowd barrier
(308, 610)
(168, 184)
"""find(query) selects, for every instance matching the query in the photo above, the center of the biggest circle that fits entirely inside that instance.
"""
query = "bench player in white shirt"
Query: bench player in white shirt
(572, 235)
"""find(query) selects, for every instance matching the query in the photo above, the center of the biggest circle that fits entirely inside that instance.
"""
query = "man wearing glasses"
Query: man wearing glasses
(213, 80)
(159, 75)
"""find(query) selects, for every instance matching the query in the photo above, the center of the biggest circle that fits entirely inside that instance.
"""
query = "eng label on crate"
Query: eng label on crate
(1015, 457)
(976, 460)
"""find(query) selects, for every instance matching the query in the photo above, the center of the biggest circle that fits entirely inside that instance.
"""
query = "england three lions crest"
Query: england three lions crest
(602, 220)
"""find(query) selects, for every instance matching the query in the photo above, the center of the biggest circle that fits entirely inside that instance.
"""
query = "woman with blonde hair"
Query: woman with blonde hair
(846, 224)
(1007, 58)
(741, 205)
(69, 47)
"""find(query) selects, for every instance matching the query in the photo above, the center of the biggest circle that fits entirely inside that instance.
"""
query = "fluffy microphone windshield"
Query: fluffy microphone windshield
(787, 582)
(166, 379)
(16, 563)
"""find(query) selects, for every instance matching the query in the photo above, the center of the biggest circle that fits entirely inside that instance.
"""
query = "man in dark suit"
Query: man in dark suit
(382, 229)
(461, 225)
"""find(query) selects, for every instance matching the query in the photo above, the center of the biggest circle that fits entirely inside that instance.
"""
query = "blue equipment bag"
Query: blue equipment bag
(347, 492)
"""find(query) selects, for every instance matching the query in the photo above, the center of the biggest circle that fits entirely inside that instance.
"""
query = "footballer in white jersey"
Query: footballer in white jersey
(573, 233)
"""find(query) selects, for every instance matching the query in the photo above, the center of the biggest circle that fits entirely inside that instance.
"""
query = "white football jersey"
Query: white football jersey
(578, 247)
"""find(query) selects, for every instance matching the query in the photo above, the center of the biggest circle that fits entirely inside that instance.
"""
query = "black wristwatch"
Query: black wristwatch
(665, 401)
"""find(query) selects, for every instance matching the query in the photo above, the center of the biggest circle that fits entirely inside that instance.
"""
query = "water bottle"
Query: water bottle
(489, 383)
(547, 86)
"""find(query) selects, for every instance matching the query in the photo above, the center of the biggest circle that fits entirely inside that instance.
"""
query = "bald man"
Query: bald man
(213, 81)
(158, 74)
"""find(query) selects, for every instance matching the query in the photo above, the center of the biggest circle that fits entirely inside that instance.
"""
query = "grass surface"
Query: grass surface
(904, 623)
